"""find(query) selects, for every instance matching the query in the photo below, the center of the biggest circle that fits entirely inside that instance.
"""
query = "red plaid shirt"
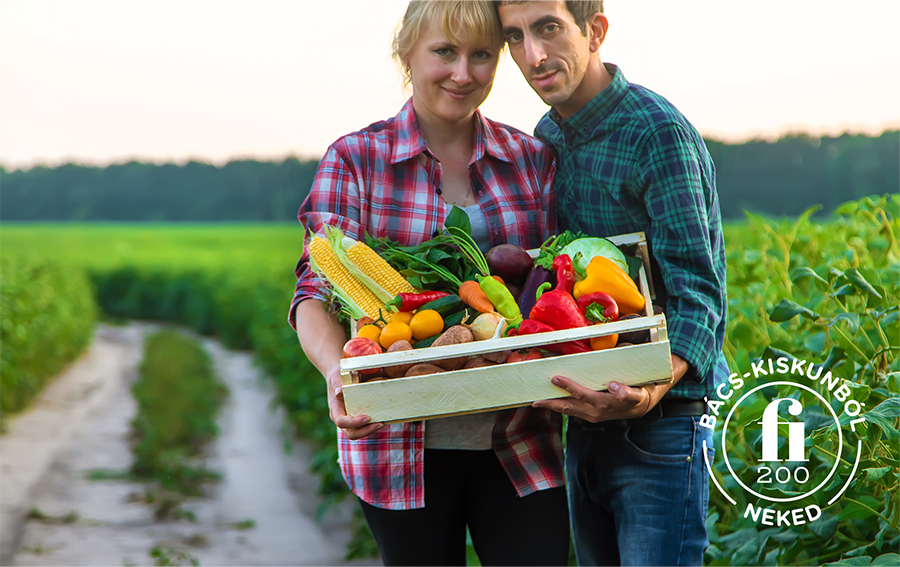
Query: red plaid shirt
(384, 181)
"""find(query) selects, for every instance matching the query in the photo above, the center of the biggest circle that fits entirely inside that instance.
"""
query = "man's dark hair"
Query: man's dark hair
(581, 10)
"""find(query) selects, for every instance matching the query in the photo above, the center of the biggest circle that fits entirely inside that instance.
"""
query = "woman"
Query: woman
(499, 473)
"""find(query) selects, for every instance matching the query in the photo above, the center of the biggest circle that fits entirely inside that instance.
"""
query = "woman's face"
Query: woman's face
(450, 80)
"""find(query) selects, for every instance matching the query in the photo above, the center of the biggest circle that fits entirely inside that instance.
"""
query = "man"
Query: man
(628, 162)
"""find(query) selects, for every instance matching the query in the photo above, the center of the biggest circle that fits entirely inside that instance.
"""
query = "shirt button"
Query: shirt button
(570, 149)
(585, 130)
(570, 199)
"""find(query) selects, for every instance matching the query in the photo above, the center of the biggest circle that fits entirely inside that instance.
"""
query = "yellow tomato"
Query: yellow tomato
(402, 316)
(426, 324)
(370, 332)
(393, 332)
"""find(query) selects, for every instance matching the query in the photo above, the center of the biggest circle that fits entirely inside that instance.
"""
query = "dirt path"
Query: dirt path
(262, 513)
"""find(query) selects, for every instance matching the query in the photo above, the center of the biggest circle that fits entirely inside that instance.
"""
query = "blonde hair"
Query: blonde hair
(475, 20)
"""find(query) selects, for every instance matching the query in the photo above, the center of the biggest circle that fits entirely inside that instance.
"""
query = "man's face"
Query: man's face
(549, 49)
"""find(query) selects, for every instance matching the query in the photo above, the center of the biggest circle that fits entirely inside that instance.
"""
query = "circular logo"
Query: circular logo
(782, 440)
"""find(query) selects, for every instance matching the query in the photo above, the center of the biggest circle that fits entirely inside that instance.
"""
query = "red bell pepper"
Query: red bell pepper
(557, 309)
(599, 307)
(565, 273)
(412, 301)
(530, 327)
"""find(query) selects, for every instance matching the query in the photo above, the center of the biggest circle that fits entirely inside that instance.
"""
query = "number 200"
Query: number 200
(764, 473)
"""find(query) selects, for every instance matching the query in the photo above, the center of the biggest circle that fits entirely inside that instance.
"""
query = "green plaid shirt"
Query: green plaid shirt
(628, 162)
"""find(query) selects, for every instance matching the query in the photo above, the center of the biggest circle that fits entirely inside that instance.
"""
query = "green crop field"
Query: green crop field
(820, 291)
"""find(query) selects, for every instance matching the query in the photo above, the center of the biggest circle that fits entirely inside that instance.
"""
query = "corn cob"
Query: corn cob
(368, 267)
(356, 298)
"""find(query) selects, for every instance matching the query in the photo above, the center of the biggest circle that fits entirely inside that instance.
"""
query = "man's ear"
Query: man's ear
(597, 27)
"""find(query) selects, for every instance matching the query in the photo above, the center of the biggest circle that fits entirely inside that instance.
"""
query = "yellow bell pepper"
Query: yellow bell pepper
(602, 274)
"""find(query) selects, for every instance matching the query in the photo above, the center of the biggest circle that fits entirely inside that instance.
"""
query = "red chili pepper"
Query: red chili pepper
(531, 327)
(411, 301)
(557, 309)
(565, 273)
(599, 307)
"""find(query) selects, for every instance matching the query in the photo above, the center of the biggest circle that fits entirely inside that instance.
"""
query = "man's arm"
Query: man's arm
(620, 402)
(678, 194)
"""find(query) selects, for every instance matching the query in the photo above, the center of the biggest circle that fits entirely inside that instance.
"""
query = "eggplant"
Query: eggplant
(510, 262)
(633, 337)
(538, 275)
(515, 290)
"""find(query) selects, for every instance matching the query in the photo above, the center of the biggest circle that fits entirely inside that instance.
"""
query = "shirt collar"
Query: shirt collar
(592, 114)
(409, 141)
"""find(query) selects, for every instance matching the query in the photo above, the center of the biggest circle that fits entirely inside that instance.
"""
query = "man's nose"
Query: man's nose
(461, 74)
(534, 51)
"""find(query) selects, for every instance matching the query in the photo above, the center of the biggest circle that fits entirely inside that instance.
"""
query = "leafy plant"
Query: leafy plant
(831, 293)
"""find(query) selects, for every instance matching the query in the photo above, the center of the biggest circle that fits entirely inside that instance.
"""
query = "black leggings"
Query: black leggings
(471, 488)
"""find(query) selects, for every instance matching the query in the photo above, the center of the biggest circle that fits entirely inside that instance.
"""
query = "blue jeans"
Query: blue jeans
(639, 495)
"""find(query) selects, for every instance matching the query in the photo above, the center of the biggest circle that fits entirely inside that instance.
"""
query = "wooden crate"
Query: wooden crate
(514, 384)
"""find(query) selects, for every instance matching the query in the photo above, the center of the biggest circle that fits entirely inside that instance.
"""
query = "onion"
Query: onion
(485, 326)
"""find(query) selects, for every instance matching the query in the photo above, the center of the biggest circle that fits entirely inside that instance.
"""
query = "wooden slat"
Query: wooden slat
(505, 385)
(494, 345)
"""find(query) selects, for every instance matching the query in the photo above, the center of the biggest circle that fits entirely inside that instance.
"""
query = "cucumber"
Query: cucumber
(457, 318)
(444, 305)
(426, 342)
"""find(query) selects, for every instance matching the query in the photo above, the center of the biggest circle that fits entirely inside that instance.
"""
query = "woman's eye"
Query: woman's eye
(482, 55)
(443, 51)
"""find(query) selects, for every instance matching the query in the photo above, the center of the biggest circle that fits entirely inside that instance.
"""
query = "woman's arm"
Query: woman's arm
(322, 339)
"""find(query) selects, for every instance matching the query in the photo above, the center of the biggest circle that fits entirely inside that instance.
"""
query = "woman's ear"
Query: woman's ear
(597, 27)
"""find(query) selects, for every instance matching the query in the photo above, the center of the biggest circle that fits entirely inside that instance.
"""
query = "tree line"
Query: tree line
(776, 178)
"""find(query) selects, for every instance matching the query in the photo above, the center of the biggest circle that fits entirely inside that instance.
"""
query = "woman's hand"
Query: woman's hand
(322, 339)
(353, 427)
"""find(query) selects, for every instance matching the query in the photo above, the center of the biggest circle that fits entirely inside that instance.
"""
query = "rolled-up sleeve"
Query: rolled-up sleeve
(333, 200)
(679, 203)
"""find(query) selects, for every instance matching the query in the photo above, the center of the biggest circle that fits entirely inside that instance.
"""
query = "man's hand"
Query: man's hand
(620, 402)
(353, 427)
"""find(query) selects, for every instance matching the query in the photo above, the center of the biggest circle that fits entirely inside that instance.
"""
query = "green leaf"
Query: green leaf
(852, 561)
(807, 272)
(892, 559)
(847, 209)
(859, 281)
(852, 320)
(875, 474)
(889, 408)
(844, 290)
(836, 354)
(884, 415)
(787, 310)
(459, 219)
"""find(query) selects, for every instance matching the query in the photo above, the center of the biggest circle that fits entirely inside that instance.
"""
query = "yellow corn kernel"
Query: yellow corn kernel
(374, 266)
(321, 251)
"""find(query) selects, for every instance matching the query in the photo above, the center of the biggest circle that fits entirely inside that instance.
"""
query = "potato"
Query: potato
(423, 369)
(458, 334)
(478, 362)
(455, 335)
(398, 371)
(498, 357)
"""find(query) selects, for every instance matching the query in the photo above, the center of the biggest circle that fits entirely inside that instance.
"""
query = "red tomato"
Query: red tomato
(361, 346)
(518, 356)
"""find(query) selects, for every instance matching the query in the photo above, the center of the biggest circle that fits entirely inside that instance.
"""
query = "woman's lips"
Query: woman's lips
(545, 79)
(457, 95)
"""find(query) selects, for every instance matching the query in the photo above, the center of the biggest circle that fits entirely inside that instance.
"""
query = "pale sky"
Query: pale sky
(103, 82)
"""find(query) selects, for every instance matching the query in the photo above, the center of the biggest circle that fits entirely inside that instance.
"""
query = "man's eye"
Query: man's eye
(514, 38)
(550, 28)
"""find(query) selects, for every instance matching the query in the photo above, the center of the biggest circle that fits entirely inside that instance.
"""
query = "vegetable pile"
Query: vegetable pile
(445, 291)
